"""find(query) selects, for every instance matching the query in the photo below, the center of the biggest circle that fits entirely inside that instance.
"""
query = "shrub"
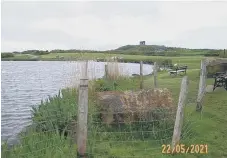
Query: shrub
(160, 61)
(104, 85)
(36, 52)
(7, 55)
(212, 53)
(223, 54)
(56, 113)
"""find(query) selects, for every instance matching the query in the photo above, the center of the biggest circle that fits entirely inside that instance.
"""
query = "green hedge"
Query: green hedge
(7, 55)
(211, 70)
(148, 61)
(20, 59)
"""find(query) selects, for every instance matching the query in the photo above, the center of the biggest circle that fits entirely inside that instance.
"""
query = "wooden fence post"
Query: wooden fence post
(86, 69)
(202, 85)
(106, 71)
(180, 112)
(155, 75)
(82, 114)
(82, 117)
(141, 74)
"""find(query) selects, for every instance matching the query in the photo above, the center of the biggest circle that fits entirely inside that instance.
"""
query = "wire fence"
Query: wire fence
(107, 114)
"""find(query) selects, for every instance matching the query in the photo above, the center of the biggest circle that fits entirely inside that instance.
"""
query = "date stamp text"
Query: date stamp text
(183, 149)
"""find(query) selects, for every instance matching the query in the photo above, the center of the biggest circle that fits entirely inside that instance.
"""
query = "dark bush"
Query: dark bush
(41, 53)
(150, 61)
(36, 52)
(212, 53)
(7, 55)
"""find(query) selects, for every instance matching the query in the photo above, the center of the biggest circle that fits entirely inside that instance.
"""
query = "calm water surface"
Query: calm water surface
(26, 83)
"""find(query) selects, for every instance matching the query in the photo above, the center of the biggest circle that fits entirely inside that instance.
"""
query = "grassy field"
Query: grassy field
(208, 127)
(191, 61)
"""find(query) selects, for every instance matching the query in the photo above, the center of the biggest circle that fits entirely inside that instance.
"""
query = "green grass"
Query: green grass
(48, 136)
(35, 144)
(191, 61)
(208, 127)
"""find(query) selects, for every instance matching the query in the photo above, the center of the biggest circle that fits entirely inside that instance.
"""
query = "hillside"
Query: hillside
(147, 50)
(161, 50)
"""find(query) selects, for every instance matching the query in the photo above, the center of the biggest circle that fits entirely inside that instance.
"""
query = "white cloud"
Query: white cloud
(103, 25)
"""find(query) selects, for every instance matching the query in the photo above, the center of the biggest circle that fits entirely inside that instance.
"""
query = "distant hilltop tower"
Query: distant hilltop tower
(142, 42)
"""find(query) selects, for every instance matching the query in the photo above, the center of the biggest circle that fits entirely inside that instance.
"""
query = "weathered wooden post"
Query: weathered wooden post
(202, 85)
(82, 115)
(86, 69)
(141, 74)
(180, 112)
(106, 71)
(155, 75)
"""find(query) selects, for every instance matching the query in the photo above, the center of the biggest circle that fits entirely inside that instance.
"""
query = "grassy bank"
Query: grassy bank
(51, 134)
(45, 137)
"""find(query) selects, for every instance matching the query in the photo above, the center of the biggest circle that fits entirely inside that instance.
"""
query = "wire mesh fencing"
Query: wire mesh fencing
(104, 113)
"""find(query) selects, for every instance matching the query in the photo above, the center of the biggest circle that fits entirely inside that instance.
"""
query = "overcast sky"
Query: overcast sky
(108, 25)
